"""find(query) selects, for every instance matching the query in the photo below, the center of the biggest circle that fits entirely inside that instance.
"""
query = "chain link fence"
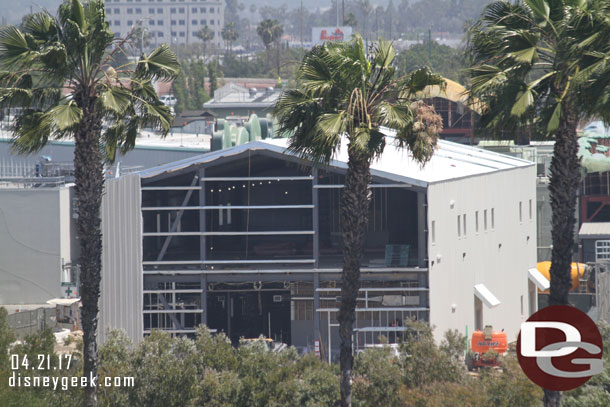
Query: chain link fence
(27, 322)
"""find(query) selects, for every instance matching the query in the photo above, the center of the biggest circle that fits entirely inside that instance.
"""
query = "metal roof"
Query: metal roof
(592, 230)
(450, 161)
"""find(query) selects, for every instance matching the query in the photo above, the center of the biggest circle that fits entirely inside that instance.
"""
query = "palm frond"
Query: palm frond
(161, 63)
(64, 117)
(417, 80)
(116, 99)
(14, 49)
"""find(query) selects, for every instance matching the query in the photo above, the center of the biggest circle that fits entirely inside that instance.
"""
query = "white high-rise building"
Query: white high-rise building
(171, 21)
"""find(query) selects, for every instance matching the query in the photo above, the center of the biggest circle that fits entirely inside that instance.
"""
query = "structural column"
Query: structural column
(422, 229)
(202, 248)
(422, 246)
(315, 218)
(316, 306)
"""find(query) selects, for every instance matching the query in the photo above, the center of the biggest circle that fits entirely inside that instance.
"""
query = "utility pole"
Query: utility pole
(302, 24)
(337, 7)
(430, 45)
(343, 11)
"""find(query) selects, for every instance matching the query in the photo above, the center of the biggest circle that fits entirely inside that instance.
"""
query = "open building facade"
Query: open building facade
(247, 240)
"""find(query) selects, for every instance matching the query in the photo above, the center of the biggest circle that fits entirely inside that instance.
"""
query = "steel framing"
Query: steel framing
(309, 270)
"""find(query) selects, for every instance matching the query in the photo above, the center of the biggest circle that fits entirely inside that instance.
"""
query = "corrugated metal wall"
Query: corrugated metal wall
(121, 297)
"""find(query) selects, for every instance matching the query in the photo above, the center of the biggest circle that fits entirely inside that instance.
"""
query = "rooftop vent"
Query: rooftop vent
(252, 91)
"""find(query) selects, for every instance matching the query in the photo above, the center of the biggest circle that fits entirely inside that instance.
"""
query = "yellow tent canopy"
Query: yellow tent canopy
(453, 92)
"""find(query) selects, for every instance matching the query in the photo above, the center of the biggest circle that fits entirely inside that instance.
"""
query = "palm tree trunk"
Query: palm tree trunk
(552, 398)
(565, 177)
(89, 184)
(564, 180)
(278, 59)
(354, 219)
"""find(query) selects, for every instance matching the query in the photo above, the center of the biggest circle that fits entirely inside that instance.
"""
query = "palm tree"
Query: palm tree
(229, 34)
(543, 63)
(270, 32)
(103, 111)
(205, 35)
(346, 96)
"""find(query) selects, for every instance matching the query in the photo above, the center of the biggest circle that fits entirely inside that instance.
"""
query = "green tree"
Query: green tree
(165, 374)
(205, 35)
(445, 60)
(69, 51)
(346, 94)
(213, 77)
(270, 32)
(426, 363)
(197, 94)
(377, 378)
(545, 63)
(141, 39)
(229, 34)
(178, 89)
(6, 338)
(350, 19)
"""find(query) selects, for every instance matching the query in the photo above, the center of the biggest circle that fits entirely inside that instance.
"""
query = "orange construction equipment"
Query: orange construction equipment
(481, 343)
(578, 271)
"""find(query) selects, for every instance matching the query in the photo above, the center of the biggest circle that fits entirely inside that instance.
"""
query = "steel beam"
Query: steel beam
(176, 221)
(203, 208)
(316, 305)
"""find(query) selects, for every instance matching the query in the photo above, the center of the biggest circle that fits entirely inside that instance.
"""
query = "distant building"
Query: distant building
(459, 115)
(321, 35)
(194, 122)
(235, 100)
(39, 249)
(172, 22)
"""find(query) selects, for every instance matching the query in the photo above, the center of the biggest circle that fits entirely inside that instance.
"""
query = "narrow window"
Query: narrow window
(459, 226)
(493, 218)
(476, 221)
(464, 221)
(433, 231)
(520, 211)
(485, 220)
(531, 210)
(521, 305)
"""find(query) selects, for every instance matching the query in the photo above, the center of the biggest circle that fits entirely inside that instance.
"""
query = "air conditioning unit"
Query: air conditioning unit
(277, 298)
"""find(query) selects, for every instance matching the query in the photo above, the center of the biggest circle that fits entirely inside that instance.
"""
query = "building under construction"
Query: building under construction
(247, 240)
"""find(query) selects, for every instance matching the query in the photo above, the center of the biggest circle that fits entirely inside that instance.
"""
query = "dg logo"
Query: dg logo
(560, 348)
